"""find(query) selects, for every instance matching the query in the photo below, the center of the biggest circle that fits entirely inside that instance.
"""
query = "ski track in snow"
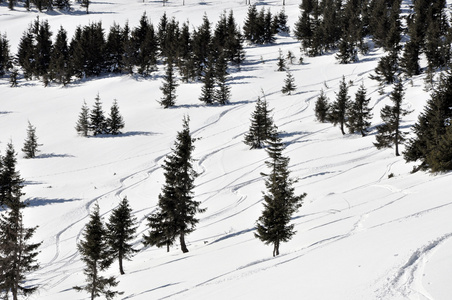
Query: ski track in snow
(407, 279)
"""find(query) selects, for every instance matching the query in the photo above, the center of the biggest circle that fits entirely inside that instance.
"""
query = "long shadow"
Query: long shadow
(228, 236)
(151, 290)
(44, 201)
(122, 135)
(52, 155)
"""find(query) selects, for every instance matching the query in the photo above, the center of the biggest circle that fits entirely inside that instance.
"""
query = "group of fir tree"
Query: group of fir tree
(91, 52)
(260, 27)
(354, 115)
(17, 252)
(96, 123)
(102, 244)
(432, 141)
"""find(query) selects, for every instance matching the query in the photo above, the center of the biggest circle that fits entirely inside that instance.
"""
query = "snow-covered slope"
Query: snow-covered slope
(360, 234)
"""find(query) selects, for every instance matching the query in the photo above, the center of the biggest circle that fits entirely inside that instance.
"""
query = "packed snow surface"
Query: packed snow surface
(368, 228)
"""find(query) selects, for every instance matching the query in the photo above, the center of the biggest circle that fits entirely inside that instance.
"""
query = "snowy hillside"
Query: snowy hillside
(361, 233)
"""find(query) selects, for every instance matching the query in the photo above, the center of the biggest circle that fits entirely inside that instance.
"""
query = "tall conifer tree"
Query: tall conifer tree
(121, 229)
(389, 134)
(359, 113)
(169, 85)
(280, 201)
(176, 215)
(31, 142)
(96, 254)
(339, 108)
(261, 125)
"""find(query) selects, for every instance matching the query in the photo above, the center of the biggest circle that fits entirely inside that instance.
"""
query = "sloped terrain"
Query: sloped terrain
(361, 234)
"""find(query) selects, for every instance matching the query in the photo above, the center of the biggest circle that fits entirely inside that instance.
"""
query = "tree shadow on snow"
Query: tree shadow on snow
(45, 201)
(52, 155)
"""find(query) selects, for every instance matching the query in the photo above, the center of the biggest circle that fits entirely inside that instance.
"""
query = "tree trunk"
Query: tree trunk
(167, 247)
(121, 270)
(183, 246)
(276, 248)
(342, 128)
(93, 288)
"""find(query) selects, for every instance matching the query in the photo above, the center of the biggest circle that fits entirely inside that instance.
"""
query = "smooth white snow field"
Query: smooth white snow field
(360, 234)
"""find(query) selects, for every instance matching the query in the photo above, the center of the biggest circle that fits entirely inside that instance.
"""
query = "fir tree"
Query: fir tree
(17, 254)
(339, 108)
(85, 4)
(31, 143)
(98, 124)
(43, 47)
(208, 80)
(389, 133)
(322, 108)
(83, 124)
(13, 77)
(11, 183)
(176, 207)
(387, 69)
(280, 201)
(251, 24)
(121, 228)
(5, 57)
(59, 67)
(281, 62)
(96, 254)
(431, 129)
(359, 113)
(25, 54)
(169, 86)
(115, 121)
(289, 84)
(223, 92)
(261, 126)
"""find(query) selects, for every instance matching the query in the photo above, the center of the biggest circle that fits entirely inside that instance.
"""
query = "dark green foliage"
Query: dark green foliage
(59, 67)
(114, 50)
(202, 47)
(387, 69)
(289, 84)
(222, 93)
(169, 86)
(115, 122)
(347, 52)
(5, 57)
(31, 143)
(208, 80)
(322, 108)
(96, 254)
(43, 47)
(281, 22)
(98, 123)
(432, 130)
(359, 113)
(13, 77)
(259, 27)
(176, 211)
(121, 229)
(83, 124)
(339, 108)
(145, 43)
(389, 133)
(11, 183)
(261, 126)
(280, 201)
(25, 54)
(17, 254)
(87, 50)
(281, 62)
(62, 4)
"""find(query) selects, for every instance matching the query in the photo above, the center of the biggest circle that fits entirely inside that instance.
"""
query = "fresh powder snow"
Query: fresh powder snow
(368, 228)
